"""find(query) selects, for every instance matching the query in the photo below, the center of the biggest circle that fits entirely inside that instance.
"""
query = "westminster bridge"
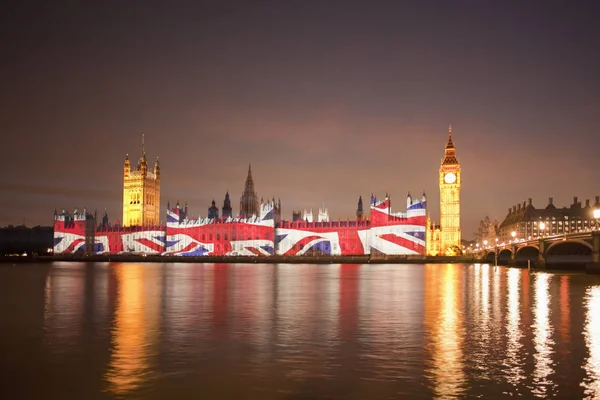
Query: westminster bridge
(577, 249)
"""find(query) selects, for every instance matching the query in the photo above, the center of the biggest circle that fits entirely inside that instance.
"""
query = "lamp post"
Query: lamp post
(513, 234)
(597, 216)
(542, 227)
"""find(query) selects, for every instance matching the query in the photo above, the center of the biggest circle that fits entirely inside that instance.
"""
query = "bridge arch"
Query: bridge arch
(527, 253)
(504, 256)
(568, 254)
(569, 242)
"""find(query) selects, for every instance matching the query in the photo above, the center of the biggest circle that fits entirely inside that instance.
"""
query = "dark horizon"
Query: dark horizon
(328, 102)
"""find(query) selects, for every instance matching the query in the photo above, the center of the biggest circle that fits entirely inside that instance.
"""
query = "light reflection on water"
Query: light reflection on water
(306, 331)
(591, 382)
(513, 365)
(135, 332)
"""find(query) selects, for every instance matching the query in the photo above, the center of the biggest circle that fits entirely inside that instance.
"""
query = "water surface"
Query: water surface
(179, 331)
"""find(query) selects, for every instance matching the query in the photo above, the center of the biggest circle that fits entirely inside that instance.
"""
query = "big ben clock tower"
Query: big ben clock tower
(450, 181)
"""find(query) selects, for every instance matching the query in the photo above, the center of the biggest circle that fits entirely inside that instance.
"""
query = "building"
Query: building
(226, 211)
(249, 201)
(528, 222)
(213, 211)
(449, 236)
(386, 234)
(141, 192)
(434, 238)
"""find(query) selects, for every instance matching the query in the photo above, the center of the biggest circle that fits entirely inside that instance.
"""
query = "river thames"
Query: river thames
(262, 331)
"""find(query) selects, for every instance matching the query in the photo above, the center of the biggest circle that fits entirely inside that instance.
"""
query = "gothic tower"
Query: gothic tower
(360, 214)
(450, 182)
(226, 210)
(249, 200)
(141, 192)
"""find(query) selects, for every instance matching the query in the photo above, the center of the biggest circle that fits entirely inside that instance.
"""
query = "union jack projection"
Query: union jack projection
(251, 236)
(386, 233)
(78, 233)
(398, 233)
(322, 238)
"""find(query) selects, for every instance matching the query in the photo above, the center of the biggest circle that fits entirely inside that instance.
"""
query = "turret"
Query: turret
(360, 214)
(157, 169)
(408, 201)
(127, 166)
(226, 211)
(143, 162)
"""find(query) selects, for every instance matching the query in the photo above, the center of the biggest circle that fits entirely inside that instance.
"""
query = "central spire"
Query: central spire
(450, 151)
(450, 144)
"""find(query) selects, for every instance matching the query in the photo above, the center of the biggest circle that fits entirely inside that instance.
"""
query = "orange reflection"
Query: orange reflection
(135, 330)
(444, 320)
(591, 381)
(565, 312)
(513, 368)
(542, 338)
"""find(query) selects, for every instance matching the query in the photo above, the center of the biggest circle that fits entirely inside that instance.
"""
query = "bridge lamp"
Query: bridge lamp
(513, 234)
(485, 243)
(542, 226)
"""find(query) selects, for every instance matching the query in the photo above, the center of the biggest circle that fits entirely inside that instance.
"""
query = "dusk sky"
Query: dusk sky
(328, 100)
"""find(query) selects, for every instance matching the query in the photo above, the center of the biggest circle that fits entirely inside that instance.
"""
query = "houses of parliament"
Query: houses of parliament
(141, 201)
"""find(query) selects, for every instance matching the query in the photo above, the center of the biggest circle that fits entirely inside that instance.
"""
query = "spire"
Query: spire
(450, 145)
(143, 149)
(450, 151)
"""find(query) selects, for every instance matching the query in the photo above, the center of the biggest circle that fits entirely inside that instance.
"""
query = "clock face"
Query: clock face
(450, 177)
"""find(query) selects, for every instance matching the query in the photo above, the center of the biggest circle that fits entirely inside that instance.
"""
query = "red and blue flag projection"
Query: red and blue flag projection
(386, 233)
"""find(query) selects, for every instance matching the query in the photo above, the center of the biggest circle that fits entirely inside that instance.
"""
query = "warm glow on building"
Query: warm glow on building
(446, 239)
(141, 193)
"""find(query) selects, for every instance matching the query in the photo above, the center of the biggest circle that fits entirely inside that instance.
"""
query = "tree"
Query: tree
(487, 230)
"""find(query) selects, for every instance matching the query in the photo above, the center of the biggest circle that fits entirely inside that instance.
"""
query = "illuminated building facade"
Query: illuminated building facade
(386, 233)
(256, 231)
(528, 222)
(141, 192)
(449, 236)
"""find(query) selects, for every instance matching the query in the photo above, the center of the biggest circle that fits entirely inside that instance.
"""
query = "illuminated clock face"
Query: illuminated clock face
(450, 177)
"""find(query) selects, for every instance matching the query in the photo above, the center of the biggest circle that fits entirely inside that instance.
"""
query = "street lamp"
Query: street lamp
(513, 234)
(485, 244)
(542, 227)
(597, 216)
(496, 254)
